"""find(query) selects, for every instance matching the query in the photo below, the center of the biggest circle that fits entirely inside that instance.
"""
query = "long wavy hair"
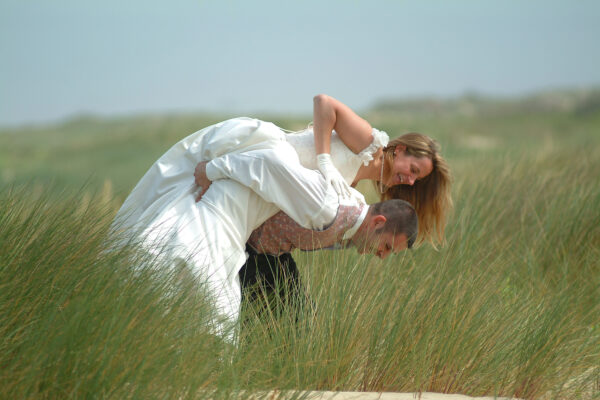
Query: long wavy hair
(431, 195)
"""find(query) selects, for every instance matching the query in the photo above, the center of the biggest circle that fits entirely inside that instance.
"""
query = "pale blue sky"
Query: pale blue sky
(114, 57)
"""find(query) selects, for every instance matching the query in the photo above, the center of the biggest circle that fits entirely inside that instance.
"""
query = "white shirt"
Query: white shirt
(277, 176)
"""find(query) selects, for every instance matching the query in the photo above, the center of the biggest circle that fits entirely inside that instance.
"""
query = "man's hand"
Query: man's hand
(201, 179)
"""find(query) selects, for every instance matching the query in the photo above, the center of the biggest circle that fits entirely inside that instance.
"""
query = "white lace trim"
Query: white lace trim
(380, 139)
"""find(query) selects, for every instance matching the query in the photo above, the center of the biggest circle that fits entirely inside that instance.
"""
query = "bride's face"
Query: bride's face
(406, 168)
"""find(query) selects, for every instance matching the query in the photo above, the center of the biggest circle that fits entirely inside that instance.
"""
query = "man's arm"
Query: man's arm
(277, 176)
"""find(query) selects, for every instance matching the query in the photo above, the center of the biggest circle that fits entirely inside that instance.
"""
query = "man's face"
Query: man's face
(380, 244)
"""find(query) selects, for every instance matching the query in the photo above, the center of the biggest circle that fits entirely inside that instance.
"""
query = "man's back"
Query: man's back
(209, 236)
(213, 231)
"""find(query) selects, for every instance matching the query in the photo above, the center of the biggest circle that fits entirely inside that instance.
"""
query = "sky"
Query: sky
(62, 58)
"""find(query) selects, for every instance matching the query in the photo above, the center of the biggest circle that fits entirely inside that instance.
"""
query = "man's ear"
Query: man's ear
(378, 221)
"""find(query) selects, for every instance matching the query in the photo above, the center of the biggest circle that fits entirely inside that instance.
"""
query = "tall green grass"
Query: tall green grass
(77, 320)
(509, 307)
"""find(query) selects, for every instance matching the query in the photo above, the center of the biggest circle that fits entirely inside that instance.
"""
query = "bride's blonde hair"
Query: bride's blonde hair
(431, 195)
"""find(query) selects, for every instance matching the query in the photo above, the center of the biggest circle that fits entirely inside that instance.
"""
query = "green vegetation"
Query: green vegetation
(510, 306)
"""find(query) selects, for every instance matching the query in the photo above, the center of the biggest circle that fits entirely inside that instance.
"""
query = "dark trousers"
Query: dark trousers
(270, 282)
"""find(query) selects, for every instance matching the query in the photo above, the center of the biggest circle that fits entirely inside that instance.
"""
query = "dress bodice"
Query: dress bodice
(346, 161)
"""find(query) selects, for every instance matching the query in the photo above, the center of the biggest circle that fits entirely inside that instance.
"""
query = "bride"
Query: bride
(342, 145)
(346, 149)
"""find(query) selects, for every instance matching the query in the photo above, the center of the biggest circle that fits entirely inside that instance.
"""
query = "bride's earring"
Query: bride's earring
(381, 177)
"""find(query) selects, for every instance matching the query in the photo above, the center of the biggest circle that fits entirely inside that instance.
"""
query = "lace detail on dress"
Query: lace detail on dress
(347, 162)
(380, 139)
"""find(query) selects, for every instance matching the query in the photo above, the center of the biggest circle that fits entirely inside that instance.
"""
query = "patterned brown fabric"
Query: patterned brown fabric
(281, 234)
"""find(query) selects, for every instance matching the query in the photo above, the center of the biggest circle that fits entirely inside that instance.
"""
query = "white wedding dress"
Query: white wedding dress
(161, 208)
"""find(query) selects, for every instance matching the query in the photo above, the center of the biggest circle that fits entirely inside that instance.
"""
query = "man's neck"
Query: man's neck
(358, 224)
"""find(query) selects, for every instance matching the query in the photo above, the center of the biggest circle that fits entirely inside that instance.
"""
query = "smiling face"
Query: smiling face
(406, 168)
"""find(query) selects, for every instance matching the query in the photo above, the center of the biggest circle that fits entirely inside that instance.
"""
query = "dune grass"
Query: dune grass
(510, 306)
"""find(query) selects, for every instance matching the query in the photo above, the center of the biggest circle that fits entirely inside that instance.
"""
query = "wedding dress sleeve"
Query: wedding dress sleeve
(345, 160)
(380, 139)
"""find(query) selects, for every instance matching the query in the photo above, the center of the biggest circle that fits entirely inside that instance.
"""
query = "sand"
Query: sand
(382, 396)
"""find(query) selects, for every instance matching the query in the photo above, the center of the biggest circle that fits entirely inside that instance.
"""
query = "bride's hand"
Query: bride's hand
(332, 175)
(201, 179)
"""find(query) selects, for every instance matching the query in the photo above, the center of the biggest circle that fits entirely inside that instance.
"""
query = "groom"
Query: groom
(208, 238)
(299, 192)
(270, 275)
(379, 229)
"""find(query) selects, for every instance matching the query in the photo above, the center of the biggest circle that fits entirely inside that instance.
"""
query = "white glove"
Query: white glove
(332, 175)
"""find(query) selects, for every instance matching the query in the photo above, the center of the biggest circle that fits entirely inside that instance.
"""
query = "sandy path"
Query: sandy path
(383, 396)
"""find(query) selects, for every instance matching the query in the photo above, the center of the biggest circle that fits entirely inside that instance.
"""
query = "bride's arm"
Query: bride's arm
(330, 114)
(355, 132)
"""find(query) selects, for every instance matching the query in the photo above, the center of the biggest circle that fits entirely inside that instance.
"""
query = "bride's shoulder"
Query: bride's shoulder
(380, 140)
